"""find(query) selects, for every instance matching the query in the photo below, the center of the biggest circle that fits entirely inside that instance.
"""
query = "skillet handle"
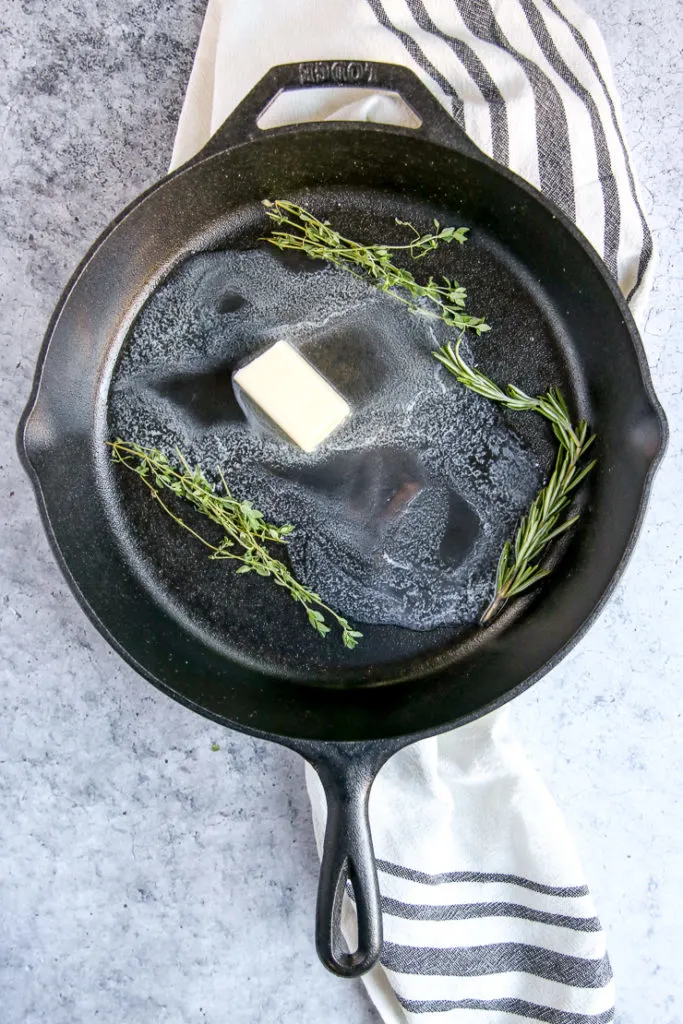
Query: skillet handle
(347, 772)
(436, 124)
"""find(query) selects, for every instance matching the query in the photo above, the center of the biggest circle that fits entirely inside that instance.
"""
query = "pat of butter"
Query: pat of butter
(293, 394)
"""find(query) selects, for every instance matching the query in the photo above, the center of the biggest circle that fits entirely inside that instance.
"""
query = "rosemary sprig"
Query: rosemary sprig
(519, 566)
(317, 239)
(246, 531)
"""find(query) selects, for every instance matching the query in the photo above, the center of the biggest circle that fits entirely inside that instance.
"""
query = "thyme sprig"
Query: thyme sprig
(519, 566)
(446, 300)
(246, 531)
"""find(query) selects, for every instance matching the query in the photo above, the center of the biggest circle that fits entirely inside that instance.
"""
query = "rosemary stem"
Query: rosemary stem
(495, 607)
(520, 565)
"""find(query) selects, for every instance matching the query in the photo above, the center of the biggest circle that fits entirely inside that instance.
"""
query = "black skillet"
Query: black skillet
(242, 659)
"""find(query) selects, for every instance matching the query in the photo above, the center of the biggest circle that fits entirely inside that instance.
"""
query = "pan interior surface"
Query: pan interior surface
(400, 515)
(237, 649)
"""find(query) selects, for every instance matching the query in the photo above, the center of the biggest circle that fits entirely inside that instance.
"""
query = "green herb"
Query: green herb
(246, 531)
(519, 565)
(317, 239)
(215, 747)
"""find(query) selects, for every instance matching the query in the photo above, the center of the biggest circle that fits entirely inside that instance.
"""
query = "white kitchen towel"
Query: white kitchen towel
(529, 80)
(486, 914)
(487, 918)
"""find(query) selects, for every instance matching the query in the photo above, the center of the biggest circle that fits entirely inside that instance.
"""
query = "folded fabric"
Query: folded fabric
(487, 917)
(529, 80)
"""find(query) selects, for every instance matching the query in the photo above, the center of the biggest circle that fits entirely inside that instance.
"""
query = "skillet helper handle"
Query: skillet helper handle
(436, 124)
(347, 772)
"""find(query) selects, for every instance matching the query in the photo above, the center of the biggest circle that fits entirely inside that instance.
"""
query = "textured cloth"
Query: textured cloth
(529, 81)
(487, 918)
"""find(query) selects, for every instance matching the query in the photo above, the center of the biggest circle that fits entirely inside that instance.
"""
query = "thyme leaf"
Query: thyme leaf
(246, 533)
(519, 566)
(442, 299)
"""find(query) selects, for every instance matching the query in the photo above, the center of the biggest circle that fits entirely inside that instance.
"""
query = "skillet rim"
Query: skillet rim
(209, 153)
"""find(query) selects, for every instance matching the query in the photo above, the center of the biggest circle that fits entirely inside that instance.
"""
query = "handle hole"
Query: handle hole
(346, 946)
(351, 918)
(338, 103)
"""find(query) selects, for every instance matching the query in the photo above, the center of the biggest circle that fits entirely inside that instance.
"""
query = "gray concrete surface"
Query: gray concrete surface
(145, 877)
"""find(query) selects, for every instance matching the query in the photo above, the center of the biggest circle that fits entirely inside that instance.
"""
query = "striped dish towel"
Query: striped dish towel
(487, 918)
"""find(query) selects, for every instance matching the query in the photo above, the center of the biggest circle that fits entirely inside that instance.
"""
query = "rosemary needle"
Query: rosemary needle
(519, 565)
(246, 532)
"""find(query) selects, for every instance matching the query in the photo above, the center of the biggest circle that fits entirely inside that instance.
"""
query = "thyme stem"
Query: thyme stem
(246, 532)
(519, 566)
(303, 232)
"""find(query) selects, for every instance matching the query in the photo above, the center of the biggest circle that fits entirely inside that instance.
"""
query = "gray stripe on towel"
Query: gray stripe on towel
(497, 958)
(469, 911)
(479, 876)
(517, 1006)
(420, 58)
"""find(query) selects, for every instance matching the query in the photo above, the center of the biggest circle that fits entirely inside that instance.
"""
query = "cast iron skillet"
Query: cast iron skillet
(238, 657)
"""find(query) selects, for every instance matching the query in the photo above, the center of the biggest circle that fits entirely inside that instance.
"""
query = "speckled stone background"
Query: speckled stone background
(125, 840)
